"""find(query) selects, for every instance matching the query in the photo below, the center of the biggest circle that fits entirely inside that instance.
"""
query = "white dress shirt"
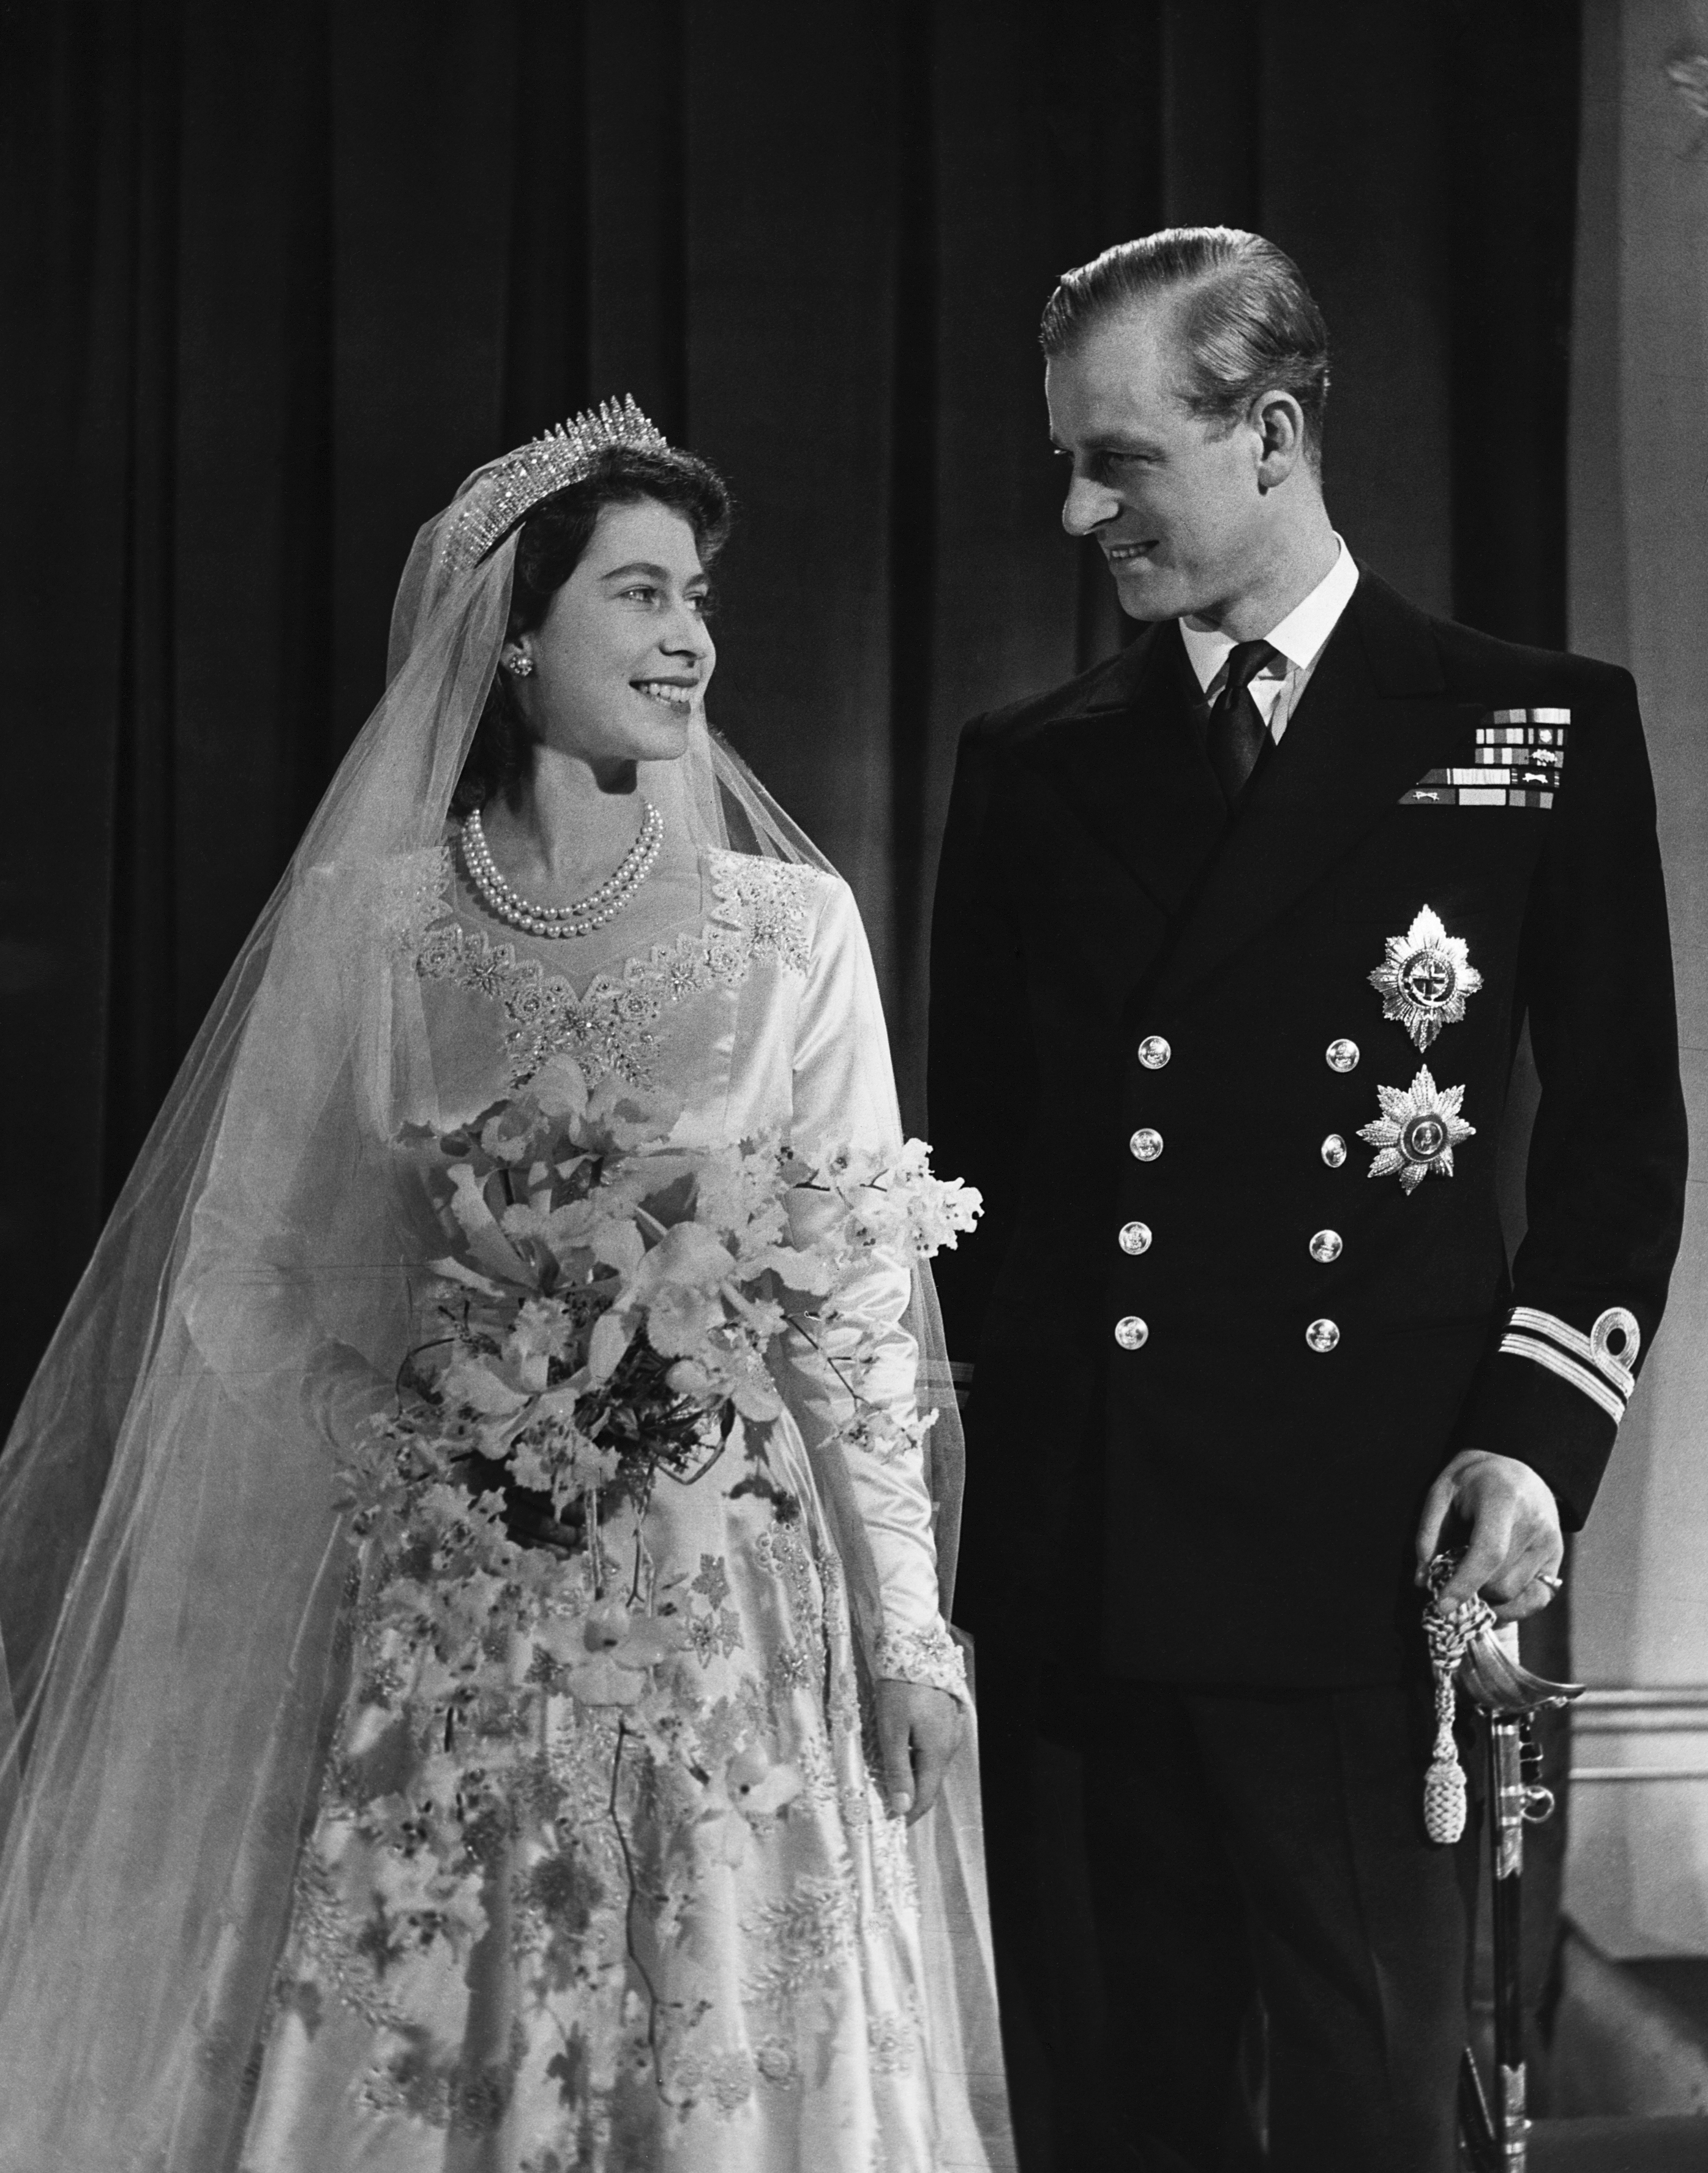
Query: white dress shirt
(1300, 639)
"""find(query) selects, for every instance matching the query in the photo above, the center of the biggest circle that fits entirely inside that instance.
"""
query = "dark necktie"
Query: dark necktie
(1236, 730)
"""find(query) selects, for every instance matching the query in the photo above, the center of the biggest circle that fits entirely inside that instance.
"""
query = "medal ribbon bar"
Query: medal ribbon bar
(1465, 795)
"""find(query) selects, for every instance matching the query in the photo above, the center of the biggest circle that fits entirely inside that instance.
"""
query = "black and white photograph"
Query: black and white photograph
(854, 938)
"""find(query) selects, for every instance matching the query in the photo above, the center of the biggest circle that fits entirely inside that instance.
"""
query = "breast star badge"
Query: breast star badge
(1419, 1128)
(1425, 978)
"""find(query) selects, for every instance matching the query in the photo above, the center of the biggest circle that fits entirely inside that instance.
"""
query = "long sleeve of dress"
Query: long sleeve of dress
(844, 1094)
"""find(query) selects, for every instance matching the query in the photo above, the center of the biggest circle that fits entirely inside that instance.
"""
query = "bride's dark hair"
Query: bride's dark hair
(548, 549)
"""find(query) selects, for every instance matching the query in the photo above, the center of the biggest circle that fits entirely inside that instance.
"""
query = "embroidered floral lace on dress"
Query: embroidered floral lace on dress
(760, 913)
(775, 1918)
(928, 1656)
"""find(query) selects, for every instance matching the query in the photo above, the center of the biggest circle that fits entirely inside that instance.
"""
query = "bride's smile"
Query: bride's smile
(624, 652)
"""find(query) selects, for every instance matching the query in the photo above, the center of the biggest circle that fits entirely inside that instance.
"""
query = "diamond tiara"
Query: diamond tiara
(563, 455)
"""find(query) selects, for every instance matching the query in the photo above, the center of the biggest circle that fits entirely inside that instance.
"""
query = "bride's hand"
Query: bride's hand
(918, 1733)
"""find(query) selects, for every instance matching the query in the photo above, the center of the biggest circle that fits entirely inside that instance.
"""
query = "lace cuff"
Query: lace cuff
(930, 1657)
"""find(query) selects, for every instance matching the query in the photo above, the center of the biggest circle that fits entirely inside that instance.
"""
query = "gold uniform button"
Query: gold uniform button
(1341, 1055)
(1147, 1144)
(1335, 1150)
(1325, 1246)
(1321, 1336)
(1135, 1237)
(1154, 1052)
(1131, 1333)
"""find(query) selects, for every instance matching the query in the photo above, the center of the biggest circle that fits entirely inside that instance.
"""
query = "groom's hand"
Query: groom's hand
(1515, 1538)
(918, 1732)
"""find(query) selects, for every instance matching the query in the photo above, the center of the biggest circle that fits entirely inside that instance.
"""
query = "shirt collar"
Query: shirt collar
(1299, 637)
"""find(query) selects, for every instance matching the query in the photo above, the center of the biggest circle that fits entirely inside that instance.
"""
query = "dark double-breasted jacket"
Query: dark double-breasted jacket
(1231, 1086)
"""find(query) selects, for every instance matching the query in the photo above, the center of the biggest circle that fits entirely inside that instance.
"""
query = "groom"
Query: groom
(1234, 938)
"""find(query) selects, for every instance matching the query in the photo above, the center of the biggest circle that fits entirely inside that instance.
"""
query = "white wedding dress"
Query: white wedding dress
(767, 1971)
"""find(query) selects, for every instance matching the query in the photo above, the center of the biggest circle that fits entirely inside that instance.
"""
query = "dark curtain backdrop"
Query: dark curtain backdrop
(275, 278)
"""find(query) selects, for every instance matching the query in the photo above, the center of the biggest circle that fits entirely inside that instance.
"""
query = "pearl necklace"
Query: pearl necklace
(586, 913)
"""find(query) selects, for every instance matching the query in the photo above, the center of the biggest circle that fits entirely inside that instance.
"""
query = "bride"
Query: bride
(392, 1785)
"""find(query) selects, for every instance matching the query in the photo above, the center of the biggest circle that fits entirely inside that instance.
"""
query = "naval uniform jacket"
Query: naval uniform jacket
(1219, 1348)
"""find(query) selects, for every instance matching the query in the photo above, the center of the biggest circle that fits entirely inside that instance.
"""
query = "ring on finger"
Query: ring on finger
(1553, 1583)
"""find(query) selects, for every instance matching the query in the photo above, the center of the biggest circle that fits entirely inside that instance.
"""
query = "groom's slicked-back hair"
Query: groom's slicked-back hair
(1246, 322)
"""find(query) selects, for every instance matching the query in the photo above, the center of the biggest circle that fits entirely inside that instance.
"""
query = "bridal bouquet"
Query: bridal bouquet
(605, 1316)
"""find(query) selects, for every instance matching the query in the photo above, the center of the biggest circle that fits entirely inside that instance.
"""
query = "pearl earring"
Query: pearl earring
(520, 666)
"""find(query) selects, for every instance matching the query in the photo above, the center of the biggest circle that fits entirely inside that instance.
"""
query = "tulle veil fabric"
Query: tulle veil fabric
(172, 1559)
